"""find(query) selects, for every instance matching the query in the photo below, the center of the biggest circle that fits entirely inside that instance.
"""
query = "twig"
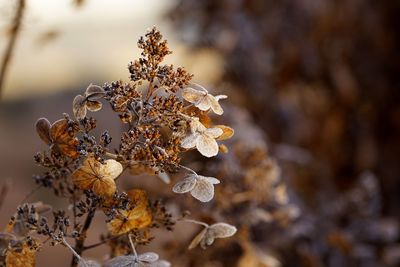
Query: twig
(79, 245)
(15, 29)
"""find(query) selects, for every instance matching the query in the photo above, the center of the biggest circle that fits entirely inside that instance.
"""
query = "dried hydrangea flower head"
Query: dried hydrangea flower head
(163, 119)
(89, 101)
(202, 139)
(207, 236)
(203, 100)
(97, 176)
(200, 187)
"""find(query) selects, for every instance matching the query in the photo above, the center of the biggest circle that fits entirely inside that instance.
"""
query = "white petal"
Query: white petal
(160, 263)
(121, 261)
(207, 146)
(215, 106)
(203, 103)
(148, 257)
(218, 97)
(212, 180)
(203, 190)
(222, 230)
(185, 185)
(214, 132)
(190, 140)
(191, 95)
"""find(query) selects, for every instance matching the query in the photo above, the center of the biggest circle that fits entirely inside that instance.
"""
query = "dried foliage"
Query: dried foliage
(163, 117)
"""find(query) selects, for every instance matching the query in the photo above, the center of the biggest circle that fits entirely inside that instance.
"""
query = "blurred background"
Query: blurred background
(318, 79)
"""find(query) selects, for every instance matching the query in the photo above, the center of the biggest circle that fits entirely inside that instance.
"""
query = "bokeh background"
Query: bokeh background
(319, 79)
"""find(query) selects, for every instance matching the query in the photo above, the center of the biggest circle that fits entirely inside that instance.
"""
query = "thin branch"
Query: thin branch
(15, 29)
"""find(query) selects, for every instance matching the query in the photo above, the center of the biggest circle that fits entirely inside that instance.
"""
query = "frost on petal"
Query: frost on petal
(218, 97)
(148, 257)
(190, 141)
(79, 107)
(121, 261)
(215, 106)
(212, 180)
(94, 92)
(160, 263)
(222, 230)
(186, 185)
(197, 239)
(207, 146)
(204, 103)
(94, 105)
(214, 132)
(110, 169)
(191, 95)
(203, 190)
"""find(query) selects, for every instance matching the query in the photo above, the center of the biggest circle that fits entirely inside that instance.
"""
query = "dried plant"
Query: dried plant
(164, 116)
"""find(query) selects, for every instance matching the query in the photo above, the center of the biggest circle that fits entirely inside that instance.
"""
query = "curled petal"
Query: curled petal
(207, 146)
(43, 129)
(203, 190)
(190, 141)
(79, 107)
(215, 106)
(222, 230)
(197, 239)
(185, 185)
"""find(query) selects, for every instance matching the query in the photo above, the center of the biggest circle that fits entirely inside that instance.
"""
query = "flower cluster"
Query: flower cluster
(164, 116)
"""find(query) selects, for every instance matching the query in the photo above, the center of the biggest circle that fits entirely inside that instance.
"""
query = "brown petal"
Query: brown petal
(83, 179)
(93, 106)
(197, 239)
(43, 129)
(78, 107)
(227, 132)
(104, 187)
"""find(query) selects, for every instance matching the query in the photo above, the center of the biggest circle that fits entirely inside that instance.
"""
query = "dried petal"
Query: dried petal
(191, 95)
(94, 105)
(138, 217)
(43, 129)
(94, 92)
(185, 185)
(78, 107)
(215, 106)
(190, 141)
(148, 257)
(110, 169)
(222, 230)
(160, 263)
(61, 138)
(21, 258)
(214, 132)
(227, 132)
(207, 146)
(203, 189)
(88, 263)
(104, 187)
(197, 239)
(121, 261)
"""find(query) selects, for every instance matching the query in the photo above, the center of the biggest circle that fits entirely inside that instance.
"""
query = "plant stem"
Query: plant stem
(79, 244)
(15, 29)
